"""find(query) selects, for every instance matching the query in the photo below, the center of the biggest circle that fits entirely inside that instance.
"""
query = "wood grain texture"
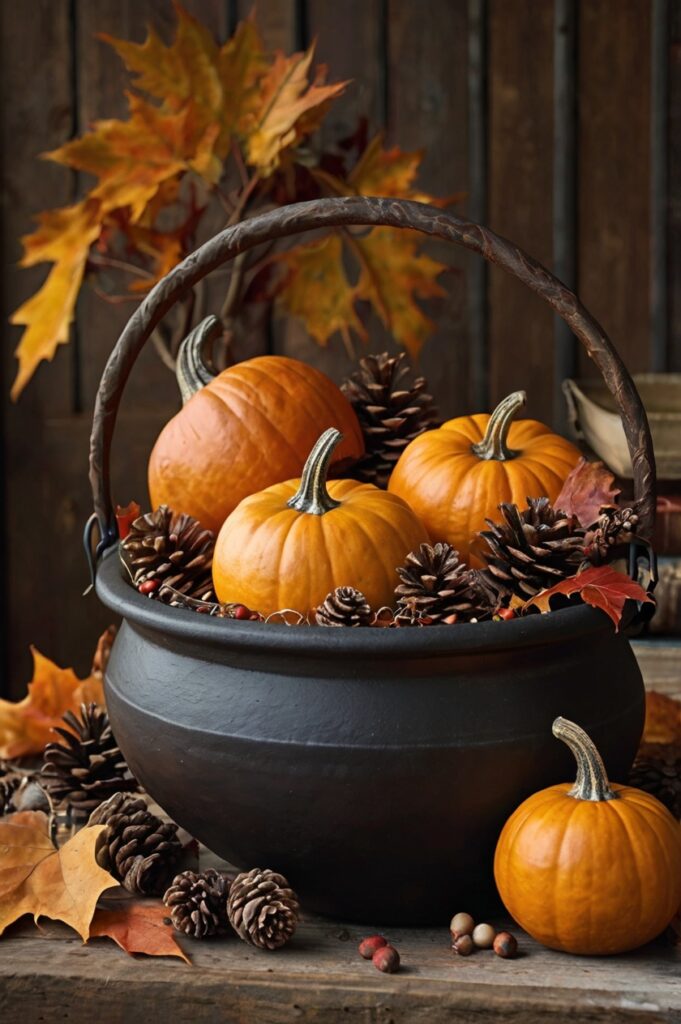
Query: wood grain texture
(38, 118)
(674, 182)
(614, 181)
(520, 195)
(319, 977)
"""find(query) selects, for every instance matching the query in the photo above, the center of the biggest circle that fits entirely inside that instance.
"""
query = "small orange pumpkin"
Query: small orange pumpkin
(591, 868)
(292, 544)
(250, 426)
(457, 476)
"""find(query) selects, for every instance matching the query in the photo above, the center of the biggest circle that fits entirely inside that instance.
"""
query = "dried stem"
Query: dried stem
(115, 264)
(162, 349)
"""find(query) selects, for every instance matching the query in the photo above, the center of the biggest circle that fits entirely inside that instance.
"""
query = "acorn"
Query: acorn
(463, 945)
(386, 959)
(483, 936)
(461, 924)
(505, 945)
(368, 946)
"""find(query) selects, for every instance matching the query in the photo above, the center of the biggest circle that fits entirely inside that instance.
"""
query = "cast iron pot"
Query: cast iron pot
(373, 767)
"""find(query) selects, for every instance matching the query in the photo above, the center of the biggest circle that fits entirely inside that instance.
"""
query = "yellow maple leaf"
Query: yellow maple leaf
(26, 725)
(63, 238)
(319, 292)
(38, 879)
(163, 248)
(289, 108)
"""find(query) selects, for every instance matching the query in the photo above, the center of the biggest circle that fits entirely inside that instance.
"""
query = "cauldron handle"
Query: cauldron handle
(364, 211)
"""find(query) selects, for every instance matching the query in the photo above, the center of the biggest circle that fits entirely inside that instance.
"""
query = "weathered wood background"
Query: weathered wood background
(562, 121)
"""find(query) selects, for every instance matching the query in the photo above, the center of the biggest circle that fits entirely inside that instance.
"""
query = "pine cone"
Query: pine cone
(614, 528)
(262, 909)
(344, 606)
(139, 849)
(198, 903)
(170, 550)
(9, 784)
(391, 412)
(531, 550)
(657, 770)
(88, 766)
(437, 585)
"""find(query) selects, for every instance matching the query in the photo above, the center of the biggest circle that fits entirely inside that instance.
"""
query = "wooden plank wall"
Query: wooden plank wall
(491, 128)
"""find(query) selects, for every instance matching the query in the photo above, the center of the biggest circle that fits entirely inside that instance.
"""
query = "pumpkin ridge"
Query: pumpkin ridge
(643, 818)
(370, 543)
(253, 408)
(392, 577)
(323, 400)
(632, 848)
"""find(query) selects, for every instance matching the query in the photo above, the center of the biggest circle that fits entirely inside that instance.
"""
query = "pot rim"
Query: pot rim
(465, 638)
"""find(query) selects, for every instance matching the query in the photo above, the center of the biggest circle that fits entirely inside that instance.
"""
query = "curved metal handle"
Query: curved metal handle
(365, 211)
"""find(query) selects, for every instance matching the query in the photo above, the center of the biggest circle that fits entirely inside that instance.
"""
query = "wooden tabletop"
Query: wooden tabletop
(49, 975)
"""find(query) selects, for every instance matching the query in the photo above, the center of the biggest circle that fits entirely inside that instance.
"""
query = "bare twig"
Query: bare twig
(162, 350)
(234, 287)
(241, 166)
(115, 264)
(113, 300)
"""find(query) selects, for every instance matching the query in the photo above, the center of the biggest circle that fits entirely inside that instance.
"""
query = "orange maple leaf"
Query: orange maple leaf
(38, 879)
(26, 726)
(289, 109)
(137, 928)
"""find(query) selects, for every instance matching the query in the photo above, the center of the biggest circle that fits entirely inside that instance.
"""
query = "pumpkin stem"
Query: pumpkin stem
(592, 781)
(312, 496)
(190, 369)
(493, 444)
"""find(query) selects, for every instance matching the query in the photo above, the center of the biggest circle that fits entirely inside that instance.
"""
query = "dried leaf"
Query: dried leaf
(289, 108)
(26, 726)
(102, 653)
(37, 879)
(30, 819)
(601, 587)
(125, 517)
(319, 292)
(137, 928)
(663, 719)
(589, 487)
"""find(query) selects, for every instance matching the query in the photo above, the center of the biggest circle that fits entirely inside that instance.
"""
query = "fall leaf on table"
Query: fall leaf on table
(601, 587)
(26, 725)
(663, 719)
(588, 488)
(38, 879)
(137, 928)
(29, 819)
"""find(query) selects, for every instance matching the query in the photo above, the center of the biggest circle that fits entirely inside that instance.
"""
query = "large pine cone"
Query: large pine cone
(198, 903)
(262, 909)
(344, 606)
(657, 770)
(172, 550)
(88, 766)
(139, 849)
(437, 586)
(391, 412)
(532, 549)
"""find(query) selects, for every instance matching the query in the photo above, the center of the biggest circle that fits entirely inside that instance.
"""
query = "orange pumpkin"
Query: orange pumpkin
(293, 543)
(590, 868)
(251, 426)
(457, 476)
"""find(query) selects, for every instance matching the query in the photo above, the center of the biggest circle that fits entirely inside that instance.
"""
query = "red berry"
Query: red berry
(387, 960)
(242, 612)
(149, 586)
(368, 946)
(505, 945)
(506, 613)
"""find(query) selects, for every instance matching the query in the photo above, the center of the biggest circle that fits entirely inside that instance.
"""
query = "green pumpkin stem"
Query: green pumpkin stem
(493, 445)
(312, 496)
(190, 369)
(592, 781)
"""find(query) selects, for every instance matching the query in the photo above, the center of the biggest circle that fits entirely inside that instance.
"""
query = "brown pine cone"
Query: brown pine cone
(657, 770)
(436, 585)
(198, 903)
(531, 550)
(390, 410)
(169, 555)
(9, 784)
(344, 606)
(262, 909)
(139, 849)
(88, 766)
(614, 528)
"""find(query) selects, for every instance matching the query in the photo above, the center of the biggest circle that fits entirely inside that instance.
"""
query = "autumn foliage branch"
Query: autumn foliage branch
(230, 129)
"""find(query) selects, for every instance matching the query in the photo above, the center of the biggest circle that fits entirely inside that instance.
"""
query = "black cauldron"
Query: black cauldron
(374, 767)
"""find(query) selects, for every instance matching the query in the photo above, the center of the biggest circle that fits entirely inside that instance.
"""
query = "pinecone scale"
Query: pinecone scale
(344, 606)
(198, 903)
(170, 555)
(390, 413)
(262, 908)
(436, 586)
